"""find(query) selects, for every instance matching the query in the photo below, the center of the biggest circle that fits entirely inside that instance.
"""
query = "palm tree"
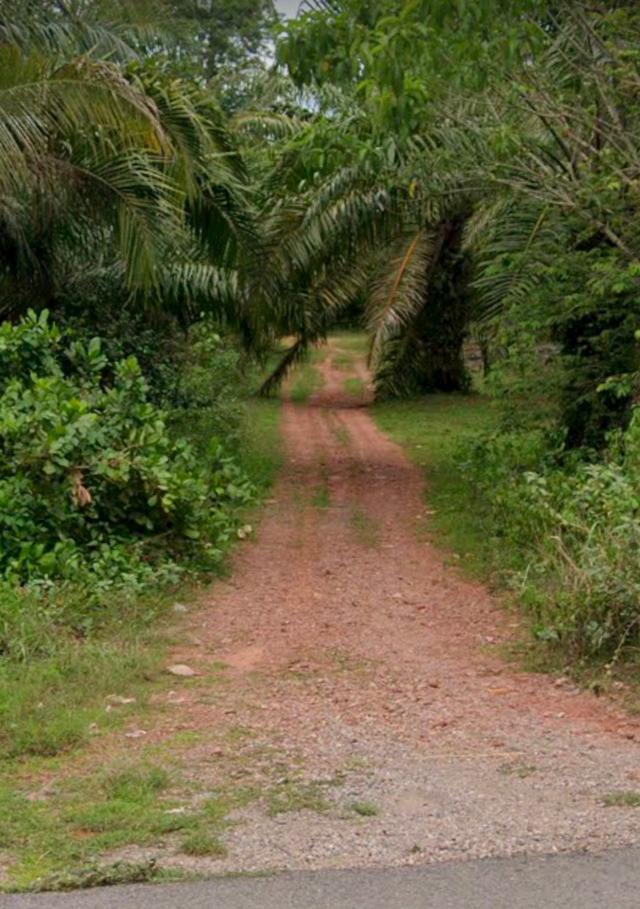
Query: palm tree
(106, 170)
(366, 229)
(461, 221)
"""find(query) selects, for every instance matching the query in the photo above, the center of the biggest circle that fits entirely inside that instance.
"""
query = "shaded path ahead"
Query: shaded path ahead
(360, 674)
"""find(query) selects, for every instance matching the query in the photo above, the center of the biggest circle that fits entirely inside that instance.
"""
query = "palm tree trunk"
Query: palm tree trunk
(443, 323)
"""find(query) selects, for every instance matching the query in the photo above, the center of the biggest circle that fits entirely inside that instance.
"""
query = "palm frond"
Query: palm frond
(398, 292)
(265, 124)
(189, 289)
(292, 356)
(517, 241)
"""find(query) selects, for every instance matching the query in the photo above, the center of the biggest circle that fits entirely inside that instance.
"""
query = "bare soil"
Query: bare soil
(347, 664)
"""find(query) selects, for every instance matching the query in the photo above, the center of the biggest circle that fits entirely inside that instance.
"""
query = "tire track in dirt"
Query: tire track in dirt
(358, 662)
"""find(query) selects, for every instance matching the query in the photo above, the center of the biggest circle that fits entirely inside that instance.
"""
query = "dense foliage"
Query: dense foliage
(569, 530)
(125, 213)
(89, 468)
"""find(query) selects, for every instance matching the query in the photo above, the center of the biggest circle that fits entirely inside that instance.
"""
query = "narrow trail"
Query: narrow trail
(354, 666)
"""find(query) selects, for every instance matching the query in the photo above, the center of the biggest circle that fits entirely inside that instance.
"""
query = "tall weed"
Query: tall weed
(575, 526)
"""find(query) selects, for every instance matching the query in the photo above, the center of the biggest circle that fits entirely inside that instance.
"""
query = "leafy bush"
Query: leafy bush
(576, 527)
(570, 347)
(210, 381)
(88, 466)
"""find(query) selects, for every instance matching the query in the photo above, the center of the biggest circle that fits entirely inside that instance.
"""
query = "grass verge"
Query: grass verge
(49, 703)
(260, 452)
(432, 430)
(56, 840)
(343, 361)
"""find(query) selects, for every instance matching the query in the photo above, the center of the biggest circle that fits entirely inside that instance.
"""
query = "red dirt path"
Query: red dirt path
(352, 649)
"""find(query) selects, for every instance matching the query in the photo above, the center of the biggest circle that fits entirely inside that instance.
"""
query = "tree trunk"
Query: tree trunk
(442, 327)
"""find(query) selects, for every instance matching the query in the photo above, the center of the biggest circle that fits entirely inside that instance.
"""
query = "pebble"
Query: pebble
(180, 669)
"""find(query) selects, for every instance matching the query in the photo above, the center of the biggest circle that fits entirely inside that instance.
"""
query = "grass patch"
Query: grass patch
(321, 495)
(307, 382)
(432, 429)
(342, 361)
(355, 387)
(365, 809)
(338, 430)
(56, 840)
(205, 837)
(292, 795)
(318, 355)
(201, 842)
(622, 800)
(59, 836)
(357, 763)
(355, 341)
(131, 805)
(365, 528)
(345, 661)
(94, 875)
(341, 434)
(55, 703)
(260, 451)
(321, 498)
(236, 735)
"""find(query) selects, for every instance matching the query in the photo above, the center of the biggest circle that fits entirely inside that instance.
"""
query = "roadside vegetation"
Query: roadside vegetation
(133, 447)
(435, 431)
(84, 650)
(553, 531)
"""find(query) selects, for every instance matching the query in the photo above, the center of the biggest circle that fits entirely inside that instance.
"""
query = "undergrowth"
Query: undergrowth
(94, 556)
(559, 530)
(433, 429)
(60, 698)
(355, 387)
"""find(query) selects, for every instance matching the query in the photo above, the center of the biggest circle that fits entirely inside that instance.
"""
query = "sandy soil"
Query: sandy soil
(356, 660)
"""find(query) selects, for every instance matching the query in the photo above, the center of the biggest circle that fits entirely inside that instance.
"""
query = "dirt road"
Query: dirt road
(357, 680)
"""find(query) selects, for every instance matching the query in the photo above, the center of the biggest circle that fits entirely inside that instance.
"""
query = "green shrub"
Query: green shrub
(104, 508)
(90, 476)
(207, 404)
(576, 528)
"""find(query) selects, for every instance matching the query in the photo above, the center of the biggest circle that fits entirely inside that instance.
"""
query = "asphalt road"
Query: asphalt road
(611, 881)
